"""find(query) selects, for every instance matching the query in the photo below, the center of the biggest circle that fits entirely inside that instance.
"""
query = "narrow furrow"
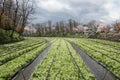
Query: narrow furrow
(60, 64)
(15, 55)
(75, 63)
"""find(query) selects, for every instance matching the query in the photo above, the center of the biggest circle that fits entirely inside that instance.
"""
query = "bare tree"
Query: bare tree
(62, 26)
(27, 10)
(38, 28)
(117, 27)
(15, 17)
(93, 26)
(57, 27)
(50, 26)
(9, 11)
(71, 25)
(75, 23)
(2, 5)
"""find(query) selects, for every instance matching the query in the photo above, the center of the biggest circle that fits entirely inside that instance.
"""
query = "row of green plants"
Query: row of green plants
(108, 48)
(28, 54)
(11, 56)
(105, 50)
(108, 57)
(62, 63)
(13, 47)
(107, 43)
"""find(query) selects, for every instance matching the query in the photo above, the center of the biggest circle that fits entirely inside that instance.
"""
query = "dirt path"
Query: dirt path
(100, 72)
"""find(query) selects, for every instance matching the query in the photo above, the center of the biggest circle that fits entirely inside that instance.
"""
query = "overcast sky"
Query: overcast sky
(81, 10)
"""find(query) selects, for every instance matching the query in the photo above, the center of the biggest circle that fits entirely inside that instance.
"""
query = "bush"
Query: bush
(109, 36)
(5, 37)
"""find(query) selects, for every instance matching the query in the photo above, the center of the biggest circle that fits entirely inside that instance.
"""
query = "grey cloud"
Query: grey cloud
(81, 10)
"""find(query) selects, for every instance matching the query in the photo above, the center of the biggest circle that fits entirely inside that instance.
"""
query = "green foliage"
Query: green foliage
(5, 36)
(61, 64)
(105, 52)
(65, 34)
(17, 59)
(109, 36)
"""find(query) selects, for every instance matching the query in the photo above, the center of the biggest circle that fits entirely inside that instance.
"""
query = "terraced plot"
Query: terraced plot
(62, 63)
(105, 52)
(12, 62)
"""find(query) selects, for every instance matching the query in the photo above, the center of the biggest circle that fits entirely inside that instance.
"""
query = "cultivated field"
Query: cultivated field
(62, 61)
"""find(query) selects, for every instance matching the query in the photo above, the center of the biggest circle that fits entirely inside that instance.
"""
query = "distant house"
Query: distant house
(112, 29)
(87, 30)
(28, 30)
(78, 29)
(102, 27)
(92, 28)
(83, 29)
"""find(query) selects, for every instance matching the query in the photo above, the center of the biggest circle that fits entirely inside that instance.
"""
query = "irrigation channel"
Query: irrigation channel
(25, 72)
(100, 72)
